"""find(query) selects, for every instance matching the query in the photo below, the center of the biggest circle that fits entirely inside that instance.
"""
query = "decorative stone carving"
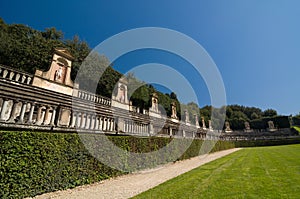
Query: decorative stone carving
(154, 103)
(196, 121)
(227, 127)
(247, 126)
(174, 111)
(64, 118)
(58, 77)
(203, 123)
(187, 116)
(271, 126)
(210, 125)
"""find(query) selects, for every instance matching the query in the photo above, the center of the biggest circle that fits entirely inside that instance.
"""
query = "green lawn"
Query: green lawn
(265, 172)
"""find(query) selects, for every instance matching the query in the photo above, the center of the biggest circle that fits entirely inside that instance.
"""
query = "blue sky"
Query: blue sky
(255, 44)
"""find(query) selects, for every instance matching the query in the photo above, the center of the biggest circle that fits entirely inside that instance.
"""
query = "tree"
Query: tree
(254, 116)
(269, 113)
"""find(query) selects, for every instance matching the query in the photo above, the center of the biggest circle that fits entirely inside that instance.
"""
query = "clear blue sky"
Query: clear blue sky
(255, 44)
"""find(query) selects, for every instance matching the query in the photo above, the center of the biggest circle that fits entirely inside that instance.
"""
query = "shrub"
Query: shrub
(33, 163)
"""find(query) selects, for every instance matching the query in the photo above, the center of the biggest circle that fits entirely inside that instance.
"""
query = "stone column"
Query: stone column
(31, 113)
(22, 114)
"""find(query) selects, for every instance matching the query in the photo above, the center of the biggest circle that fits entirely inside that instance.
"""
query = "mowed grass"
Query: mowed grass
(264, 172)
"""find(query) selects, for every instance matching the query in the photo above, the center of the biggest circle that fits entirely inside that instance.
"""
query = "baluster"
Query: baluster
(11, 74)
(97, 123)
(31, 113)
(13, 112)
(17, 77)
(101, 123)
(47, 119)
(87, 121)
(23, 79)
(39, 117)
(22, 114)
(83, 120)
(4, 109)
(73, 119)
(28, 80)
(4, 74)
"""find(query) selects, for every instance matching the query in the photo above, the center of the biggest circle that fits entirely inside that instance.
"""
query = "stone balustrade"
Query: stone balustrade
(134, 127)
(21, 112)
(26, 106)
(94, 98)
(92, 121)
(32, 113)
(12, 74)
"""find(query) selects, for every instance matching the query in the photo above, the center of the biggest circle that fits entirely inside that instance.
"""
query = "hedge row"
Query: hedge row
(256, 143)
(279, 122)
(33, 163)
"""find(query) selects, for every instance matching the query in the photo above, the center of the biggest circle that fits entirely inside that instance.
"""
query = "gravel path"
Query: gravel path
(127, 186)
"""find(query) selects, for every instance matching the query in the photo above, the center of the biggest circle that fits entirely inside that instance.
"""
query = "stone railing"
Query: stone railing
(94, 98)
(12, 74)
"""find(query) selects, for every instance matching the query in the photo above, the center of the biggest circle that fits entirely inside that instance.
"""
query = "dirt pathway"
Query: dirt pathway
(127, 186)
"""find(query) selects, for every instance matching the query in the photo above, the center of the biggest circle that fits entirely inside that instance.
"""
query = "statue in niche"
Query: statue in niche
(58, 74)
(122, 94)
(227, 126)
(155, 107)
(271, 125)
(247, 126)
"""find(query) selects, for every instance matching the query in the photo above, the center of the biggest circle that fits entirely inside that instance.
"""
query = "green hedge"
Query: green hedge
(279, 122)
(33, 163)
(256, 143)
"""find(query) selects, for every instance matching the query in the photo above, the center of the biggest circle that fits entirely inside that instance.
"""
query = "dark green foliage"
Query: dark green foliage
(296, 120)
(33, 163)
(279, 122)
(270, 113)
(255, 143)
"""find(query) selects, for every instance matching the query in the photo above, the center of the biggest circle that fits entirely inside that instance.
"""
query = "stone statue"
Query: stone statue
(271, 124)
(122, 94)
(174, 112)
(227, 127)
(203, 123)
(247, 126)
(210, 125)
(187, 118)
(196, 120)
(58, 74)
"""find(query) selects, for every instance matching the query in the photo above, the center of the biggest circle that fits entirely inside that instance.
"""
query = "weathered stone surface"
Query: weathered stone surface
(65, 116)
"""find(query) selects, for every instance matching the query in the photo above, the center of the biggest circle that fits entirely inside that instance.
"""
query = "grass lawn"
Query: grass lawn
(264, 172)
